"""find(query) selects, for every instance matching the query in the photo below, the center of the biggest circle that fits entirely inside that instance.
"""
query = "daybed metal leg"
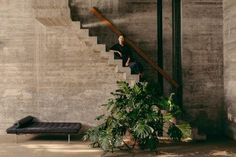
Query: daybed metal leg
(68, 138)
(16, 138)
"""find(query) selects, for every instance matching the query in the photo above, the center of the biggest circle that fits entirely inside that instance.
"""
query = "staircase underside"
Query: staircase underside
(50, 67)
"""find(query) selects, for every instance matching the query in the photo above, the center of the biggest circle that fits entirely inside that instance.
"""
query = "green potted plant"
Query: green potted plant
(137, 112)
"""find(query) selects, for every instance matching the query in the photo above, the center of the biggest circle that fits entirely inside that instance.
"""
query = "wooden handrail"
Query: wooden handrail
(140, 52)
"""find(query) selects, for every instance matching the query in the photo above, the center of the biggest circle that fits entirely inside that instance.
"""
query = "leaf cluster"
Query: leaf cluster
(136, 111)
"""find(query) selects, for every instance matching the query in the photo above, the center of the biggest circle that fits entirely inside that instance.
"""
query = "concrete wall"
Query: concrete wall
(135, 18)
(16, 61)
(202, 55)
(46, 68)
(46, 71)
(202, 62)
(230, 64)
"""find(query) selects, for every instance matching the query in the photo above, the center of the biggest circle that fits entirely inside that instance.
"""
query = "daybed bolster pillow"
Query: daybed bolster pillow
(24, 122)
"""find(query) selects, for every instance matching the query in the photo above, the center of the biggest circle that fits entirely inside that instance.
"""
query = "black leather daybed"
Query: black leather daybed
(30, 125)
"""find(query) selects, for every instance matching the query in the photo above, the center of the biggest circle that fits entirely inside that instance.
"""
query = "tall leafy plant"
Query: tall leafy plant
(137, 112)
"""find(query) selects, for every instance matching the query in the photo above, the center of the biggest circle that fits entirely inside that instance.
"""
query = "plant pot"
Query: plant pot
(129, 140)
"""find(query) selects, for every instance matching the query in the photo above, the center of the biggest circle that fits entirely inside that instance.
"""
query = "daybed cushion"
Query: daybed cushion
(45, 127)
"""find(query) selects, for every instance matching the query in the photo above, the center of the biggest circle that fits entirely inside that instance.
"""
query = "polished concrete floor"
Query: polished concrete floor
(57, 146)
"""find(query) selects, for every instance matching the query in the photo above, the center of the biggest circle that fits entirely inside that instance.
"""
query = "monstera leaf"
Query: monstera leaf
(134, 110)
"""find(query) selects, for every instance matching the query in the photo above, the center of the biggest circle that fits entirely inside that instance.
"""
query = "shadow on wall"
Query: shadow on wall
(135, 18)
(1, 45)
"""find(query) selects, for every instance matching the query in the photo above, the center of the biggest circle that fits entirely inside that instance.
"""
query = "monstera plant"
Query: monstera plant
(134, 113)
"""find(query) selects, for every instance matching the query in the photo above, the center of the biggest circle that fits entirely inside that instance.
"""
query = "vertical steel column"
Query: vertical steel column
(177, 65)
(160, 42)
(16, 137)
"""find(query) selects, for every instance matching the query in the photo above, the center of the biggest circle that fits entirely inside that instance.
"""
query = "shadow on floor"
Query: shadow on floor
(218, 147)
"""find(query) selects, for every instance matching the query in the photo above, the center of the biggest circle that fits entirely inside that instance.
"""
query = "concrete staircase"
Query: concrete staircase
(67, 40)
(51, 68)
(91, 43)
(68, 59)
(56, 15)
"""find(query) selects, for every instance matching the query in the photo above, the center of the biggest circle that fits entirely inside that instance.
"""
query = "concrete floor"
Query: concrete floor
(57, 146)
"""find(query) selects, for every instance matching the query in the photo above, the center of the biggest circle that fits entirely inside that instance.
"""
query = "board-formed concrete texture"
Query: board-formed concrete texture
(230, 64)
(202, 57)
(52, 69)
(202, 63)
(49, 67)
(137, 19)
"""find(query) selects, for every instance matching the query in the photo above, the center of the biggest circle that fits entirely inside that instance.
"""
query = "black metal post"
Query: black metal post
(177, 65)
(160, 42)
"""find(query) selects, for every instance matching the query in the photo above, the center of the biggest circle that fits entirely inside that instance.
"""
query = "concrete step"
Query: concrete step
(131, 77)
(132, 82)
(90, 40)
(107, 55)
(121, 69)
(83, 33)
(76, 25)
(114, 62)
(98, 48)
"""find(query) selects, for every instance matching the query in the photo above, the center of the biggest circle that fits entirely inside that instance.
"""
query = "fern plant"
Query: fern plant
(134, 110)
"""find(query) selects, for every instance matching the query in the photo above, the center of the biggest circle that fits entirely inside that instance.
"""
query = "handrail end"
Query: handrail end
(93, 9)
(176, 85)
